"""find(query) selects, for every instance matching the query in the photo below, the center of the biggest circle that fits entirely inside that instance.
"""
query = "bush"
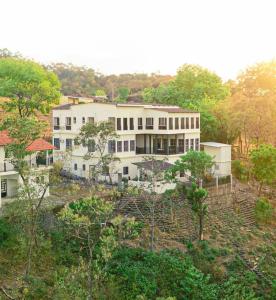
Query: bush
(239, 170)
(263, 210)
(5, 232)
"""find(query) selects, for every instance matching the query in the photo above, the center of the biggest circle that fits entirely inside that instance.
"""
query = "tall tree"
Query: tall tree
(29, 87)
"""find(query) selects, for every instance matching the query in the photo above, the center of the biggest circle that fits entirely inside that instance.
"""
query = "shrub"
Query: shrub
(239, 169)
(263, 210)
(5, 232)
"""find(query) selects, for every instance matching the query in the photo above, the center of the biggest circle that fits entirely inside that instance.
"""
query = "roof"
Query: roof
(215, 144)
(4, 138)
(66, 106)
(173, 109)
(154, 164)
(40, 145)
(36, 145)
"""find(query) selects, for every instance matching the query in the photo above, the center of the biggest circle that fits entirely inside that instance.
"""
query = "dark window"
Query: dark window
(186, 145)
(181, 145)
(197, 122)
(125, 123)
(132, 145)
(149, 123)
(140, 123)
(56, 123)
(119, 146)
(91, 146)
(176, 123)
(83, 120)
(125, 170)
(131, 124)
(83, 167)
(57, 143)
(182, 123)
(111, 121)
(119, 124)
(68, 123)
(68, 144)
(125, 146)
(162, 123)
(111, 146)
(170, 123)
(91, 120)
(187, 123)
(192, 144)
(192, 123)
(74, 120)
(75, 167)
(197, 144)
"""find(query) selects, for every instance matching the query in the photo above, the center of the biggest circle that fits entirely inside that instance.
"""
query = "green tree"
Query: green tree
(198, 163)
(263, 161)
(29, 87)
(123, 94)
(97, 137)
(196, 197)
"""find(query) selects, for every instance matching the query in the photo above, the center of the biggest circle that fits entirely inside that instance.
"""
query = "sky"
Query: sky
(125, 36)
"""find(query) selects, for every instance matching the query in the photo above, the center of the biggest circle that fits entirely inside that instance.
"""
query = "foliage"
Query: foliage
(263, 210)
(263, 160)
(198, 163)
(163, 274)
(29, 87)
(123, 94)
(240, 170)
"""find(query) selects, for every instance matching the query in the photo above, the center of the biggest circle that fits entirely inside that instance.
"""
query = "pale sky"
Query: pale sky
(121, 36)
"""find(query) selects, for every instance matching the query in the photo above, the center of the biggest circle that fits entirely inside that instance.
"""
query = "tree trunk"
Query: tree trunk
(260, 188)
(201, 228)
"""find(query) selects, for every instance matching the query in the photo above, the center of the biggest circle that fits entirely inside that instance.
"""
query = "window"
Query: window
(74, 120)
(170, 123)
(176, 123)
(140, 123)
(192, 123)
(186, 145)
(119, 146)
(75, 167)
(125, 123)
(131, 124)
(162, 123)
(132, 145)
(83, 167)
(182, 123)
(125, 170)
(57, 143)
(83, 120)
(68, 143)
(197, 144)
(119, 124)
(68, 123)
(111, 146)
(187, 123)
(91, 120)
(149, 123)
(56, 123)
(216, 167)
(197, 122)
(192, 144)
(91, 146)
(111, 121)
(181, 145)
(125, 146)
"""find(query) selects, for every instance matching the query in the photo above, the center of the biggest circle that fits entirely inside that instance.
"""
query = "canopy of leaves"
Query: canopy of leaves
(29, 86)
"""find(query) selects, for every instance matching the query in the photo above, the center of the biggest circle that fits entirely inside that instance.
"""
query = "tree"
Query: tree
(196, 197)
(123, 94)
(97, 138)
(263, 161)
(198, 163)
(29, 87)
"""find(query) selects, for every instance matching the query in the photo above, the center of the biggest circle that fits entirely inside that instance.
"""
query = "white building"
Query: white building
(9, 177)
(143, 130)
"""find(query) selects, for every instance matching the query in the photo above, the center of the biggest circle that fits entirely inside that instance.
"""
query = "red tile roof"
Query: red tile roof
(36, 145)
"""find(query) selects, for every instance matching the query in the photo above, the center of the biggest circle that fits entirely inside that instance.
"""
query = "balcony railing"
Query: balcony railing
(168, 151)
(6, 167)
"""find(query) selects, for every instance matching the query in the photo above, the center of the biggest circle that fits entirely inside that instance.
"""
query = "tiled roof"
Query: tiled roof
(4, 138)
(40, 145)
(63, 106)
(36, 145)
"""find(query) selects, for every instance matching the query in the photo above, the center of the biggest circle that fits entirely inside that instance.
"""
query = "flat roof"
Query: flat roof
(215, 144)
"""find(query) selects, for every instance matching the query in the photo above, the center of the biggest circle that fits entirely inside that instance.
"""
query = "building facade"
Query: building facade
(165, 132)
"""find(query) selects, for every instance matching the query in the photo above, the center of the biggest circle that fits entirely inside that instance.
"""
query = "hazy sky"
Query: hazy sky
(119, 36)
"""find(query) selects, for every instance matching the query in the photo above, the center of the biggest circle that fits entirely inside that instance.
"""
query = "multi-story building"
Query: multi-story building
(142, 129)
(9, 177)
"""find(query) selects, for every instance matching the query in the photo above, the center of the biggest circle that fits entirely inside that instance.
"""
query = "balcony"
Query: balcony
(6, 167)
(171, 150)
